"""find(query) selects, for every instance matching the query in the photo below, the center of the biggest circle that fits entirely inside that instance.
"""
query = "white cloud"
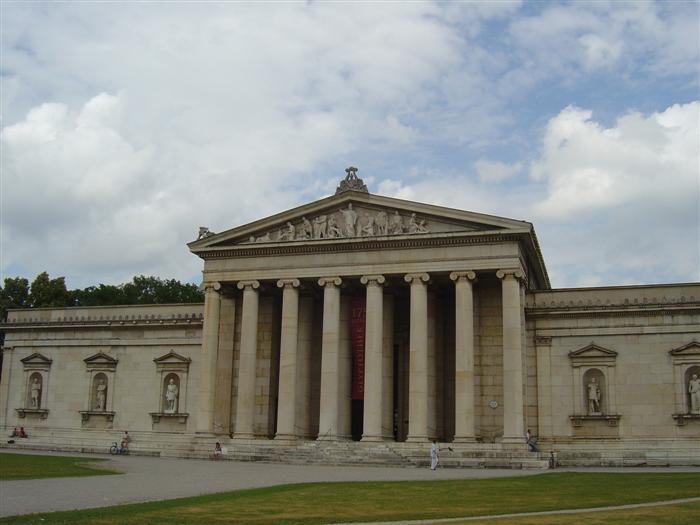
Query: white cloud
(493, 171)
(622, 202)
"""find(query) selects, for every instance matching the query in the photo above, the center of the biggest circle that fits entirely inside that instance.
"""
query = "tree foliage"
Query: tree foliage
(46, 292)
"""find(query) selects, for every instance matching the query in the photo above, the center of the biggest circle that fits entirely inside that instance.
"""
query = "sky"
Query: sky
(126, 126)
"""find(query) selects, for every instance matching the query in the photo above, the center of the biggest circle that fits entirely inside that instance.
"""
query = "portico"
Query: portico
(358, 317)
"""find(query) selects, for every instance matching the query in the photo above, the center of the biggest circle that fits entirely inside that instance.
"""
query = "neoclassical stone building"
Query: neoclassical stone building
(365, 318)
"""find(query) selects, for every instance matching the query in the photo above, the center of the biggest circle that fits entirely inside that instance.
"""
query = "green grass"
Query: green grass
(686, 514)
(378, 501)
(29, 466)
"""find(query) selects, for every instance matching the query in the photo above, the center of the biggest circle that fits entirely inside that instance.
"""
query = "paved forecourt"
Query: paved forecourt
(150, 479)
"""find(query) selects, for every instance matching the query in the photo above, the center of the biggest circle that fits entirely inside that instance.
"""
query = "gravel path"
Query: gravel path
(148, 479)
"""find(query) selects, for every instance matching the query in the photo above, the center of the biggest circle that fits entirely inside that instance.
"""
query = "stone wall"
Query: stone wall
(123, 342)
(628, 337)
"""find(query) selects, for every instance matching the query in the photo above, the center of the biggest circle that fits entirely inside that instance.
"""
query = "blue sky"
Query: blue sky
(125, 126)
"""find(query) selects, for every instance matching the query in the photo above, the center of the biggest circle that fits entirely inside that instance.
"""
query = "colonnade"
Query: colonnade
(377, 412)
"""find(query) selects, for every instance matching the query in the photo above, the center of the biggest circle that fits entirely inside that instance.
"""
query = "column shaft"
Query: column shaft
(418, 360)
(210, 347)
(513, 426)
(464, 356)
(287, 398)
(330, 359)
(245, 403)
(388, 369)
(374, 324)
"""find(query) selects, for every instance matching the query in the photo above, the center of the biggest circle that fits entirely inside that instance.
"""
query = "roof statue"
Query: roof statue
(351, 182)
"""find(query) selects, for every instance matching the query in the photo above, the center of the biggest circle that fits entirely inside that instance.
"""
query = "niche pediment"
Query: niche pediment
(690, 349)
(100, 360)
(593, 355)
(36, 360)
(172, 361)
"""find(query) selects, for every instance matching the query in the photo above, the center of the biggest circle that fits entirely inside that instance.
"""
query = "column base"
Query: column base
(243, 435)
(372, 439)
(417, 439)
(464, 439)
(513, 440)
(286, 437)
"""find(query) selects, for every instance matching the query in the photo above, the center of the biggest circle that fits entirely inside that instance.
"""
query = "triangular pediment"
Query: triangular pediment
(690, 349)
(172, 358)
(592, 351)
(36, 359)
(353, 216)
(100, 358)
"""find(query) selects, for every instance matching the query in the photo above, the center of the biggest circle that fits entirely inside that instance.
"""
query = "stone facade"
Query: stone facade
(464, 341)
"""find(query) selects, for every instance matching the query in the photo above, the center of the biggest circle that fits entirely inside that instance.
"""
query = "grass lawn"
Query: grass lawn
(29, 466)
(377, 501)
(686, 514)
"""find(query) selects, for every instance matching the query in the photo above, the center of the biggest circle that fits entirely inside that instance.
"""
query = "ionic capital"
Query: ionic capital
(511, 272)
(214, 286)
(466, 275)
(254, 285)
(373, 279)
(330, 281)
(288, 283)
(416, 277)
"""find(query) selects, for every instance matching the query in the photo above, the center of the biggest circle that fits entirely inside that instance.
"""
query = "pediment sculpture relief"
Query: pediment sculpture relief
(347, 223)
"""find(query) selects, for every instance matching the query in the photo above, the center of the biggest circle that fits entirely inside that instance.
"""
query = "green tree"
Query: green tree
(14, 294)
(46, 292)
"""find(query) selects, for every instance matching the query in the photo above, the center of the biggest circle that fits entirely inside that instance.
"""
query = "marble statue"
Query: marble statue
(204, 232)
(289, 234)
(350, 218)
(101, 395)
(694, 391)
(36, 393)
(396, 224)
(593, 397)
(305, 231)
(320, 227)
(347, 223)
(382, 223)
(333, 228)
(171, 393)
(368, 227)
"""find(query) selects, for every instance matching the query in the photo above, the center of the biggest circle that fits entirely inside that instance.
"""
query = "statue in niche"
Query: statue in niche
(171, 393)
(368, 227)
(694, 391)
(333, 228)
(350, 218)
(320, 227)
(35, 393)
(305, 230)
(593, 397)
(101, 395)
(396, 225)
(381, 222)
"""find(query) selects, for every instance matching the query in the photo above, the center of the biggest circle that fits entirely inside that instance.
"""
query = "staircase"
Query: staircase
(306, 452)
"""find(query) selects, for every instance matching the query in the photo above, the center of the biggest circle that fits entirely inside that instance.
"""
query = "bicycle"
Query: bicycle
(116, 449)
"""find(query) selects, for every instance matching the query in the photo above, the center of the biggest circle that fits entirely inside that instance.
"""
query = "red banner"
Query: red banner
(357, 338)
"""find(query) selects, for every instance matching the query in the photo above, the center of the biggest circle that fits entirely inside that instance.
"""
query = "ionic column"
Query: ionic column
(210, 347)
(464, 356)
(245, 403)
(287, 398)
(388, 369)
(418, 358)
(513, 429)
(330, 359)
(374, 324)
